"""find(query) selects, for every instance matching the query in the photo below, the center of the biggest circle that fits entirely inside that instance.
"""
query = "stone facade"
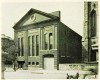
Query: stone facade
(90, 36)
(40, 36)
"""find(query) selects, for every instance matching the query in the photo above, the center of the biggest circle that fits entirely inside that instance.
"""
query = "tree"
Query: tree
(6, 43)
(9, 51)
(4, 56)
(12, 50)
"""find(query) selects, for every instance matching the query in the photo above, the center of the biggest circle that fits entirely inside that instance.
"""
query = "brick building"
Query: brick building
(43, 41)
(90, 37)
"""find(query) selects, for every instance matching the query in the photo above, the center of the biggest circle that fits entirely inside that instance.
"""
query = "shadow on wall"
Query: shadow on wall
(72, 59)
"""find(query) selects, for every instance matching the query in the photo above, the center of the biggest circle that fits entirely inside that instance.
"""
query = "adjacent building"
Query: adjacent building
(43, 41)
(90, 37)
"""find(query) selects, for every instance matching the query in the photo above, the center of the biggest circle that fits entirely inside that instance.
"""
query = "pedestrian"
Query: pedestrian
(67, 76)
(77, 75)
(3, 69)
(14, 67)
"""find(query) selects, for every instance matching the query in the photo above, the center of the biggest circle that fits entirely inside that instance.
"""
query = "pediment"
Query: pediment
(35, 16)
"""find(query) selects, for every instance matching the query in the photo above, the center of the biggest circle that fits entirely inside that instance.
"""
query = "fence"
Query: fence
(79, 66)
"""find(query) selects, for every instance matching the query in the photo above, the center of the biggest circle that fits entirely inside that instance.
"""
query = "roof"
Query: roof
(71, 29)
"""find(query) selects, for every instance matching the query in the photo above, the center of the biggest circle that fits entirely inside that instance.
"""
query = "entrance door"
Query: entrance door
(49, 63)
(93, 55)
(20, 64)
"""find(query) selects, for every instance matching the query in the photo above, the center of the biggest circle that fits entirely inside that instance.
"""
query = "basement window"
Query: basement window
(33, 63)
(29, 63)
(37, 63)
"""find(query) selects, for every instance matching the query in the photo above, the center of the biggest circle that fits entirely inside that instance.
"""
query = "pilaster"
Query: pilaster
(26, 49)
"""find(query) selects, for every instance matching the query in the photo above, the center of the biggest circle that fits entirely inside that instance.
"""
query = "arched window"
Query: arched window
(22, 46)
(18, 46)
(37, 45)
(50, 41)
(33, 46)
(93, 23)
(46, 41)
(29, 46)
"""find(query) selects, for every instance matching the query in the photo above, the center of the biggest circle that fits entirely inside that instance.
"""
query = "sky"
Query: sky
(72, 14)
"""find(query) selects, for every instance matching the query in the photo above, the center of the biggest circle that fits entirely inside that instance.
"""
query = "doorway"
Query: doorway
(49, 62)
(21, 64)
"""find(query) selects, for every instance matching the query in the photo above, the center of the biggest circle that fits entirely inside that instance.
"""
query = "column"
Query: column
(31, 45)
(48, 41)
(53, 37)
(20, 47)
(97, 56)
(41, 37)
(35, 45)
(16, 40)
(26, 49)
(55, 42)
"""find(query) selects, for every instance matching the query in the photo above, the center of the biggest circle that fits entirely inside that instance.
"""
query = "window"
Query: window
(22, 47)
(29, 63)
(37, 45)
(50, 41)
(37, 63)
(29, 45)
(45, 41)
(93, 23)
(93, 55)
(33, 63)
(18, 46)
(33, 46)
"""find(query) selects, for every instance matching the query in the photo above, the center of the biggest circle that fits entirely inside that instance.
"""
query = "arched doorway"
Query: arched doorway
(48, 62)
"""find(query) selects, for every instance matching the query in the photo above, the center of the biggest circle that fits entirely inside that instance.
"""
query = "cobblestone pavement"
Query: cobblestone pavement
(43, 74)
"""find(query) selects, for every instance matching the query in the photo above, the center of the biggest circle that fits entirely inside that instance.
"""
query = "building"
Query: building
(90, 37)
(43, 41)
(6, 37)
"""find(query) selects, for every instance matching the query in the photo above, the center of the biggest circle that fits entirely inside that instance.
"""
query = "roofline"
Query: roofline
(71, 29)
(38, 23)
(44, 13)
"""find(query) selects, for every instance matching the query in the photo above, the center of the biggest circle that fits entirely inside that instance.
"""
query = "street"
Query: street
(17, 75)
(28, 74)
(43, 74)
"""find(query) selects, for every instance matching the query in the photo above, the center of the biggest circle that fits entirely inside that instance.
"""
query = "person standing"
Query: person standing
(67, 76)
(77, 75)
(14, 67)
(3, 69)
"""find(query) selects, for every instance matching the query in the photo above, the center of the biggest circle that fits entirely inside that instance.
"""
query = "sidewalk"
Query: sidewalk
(71, 72)
(41, 71)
